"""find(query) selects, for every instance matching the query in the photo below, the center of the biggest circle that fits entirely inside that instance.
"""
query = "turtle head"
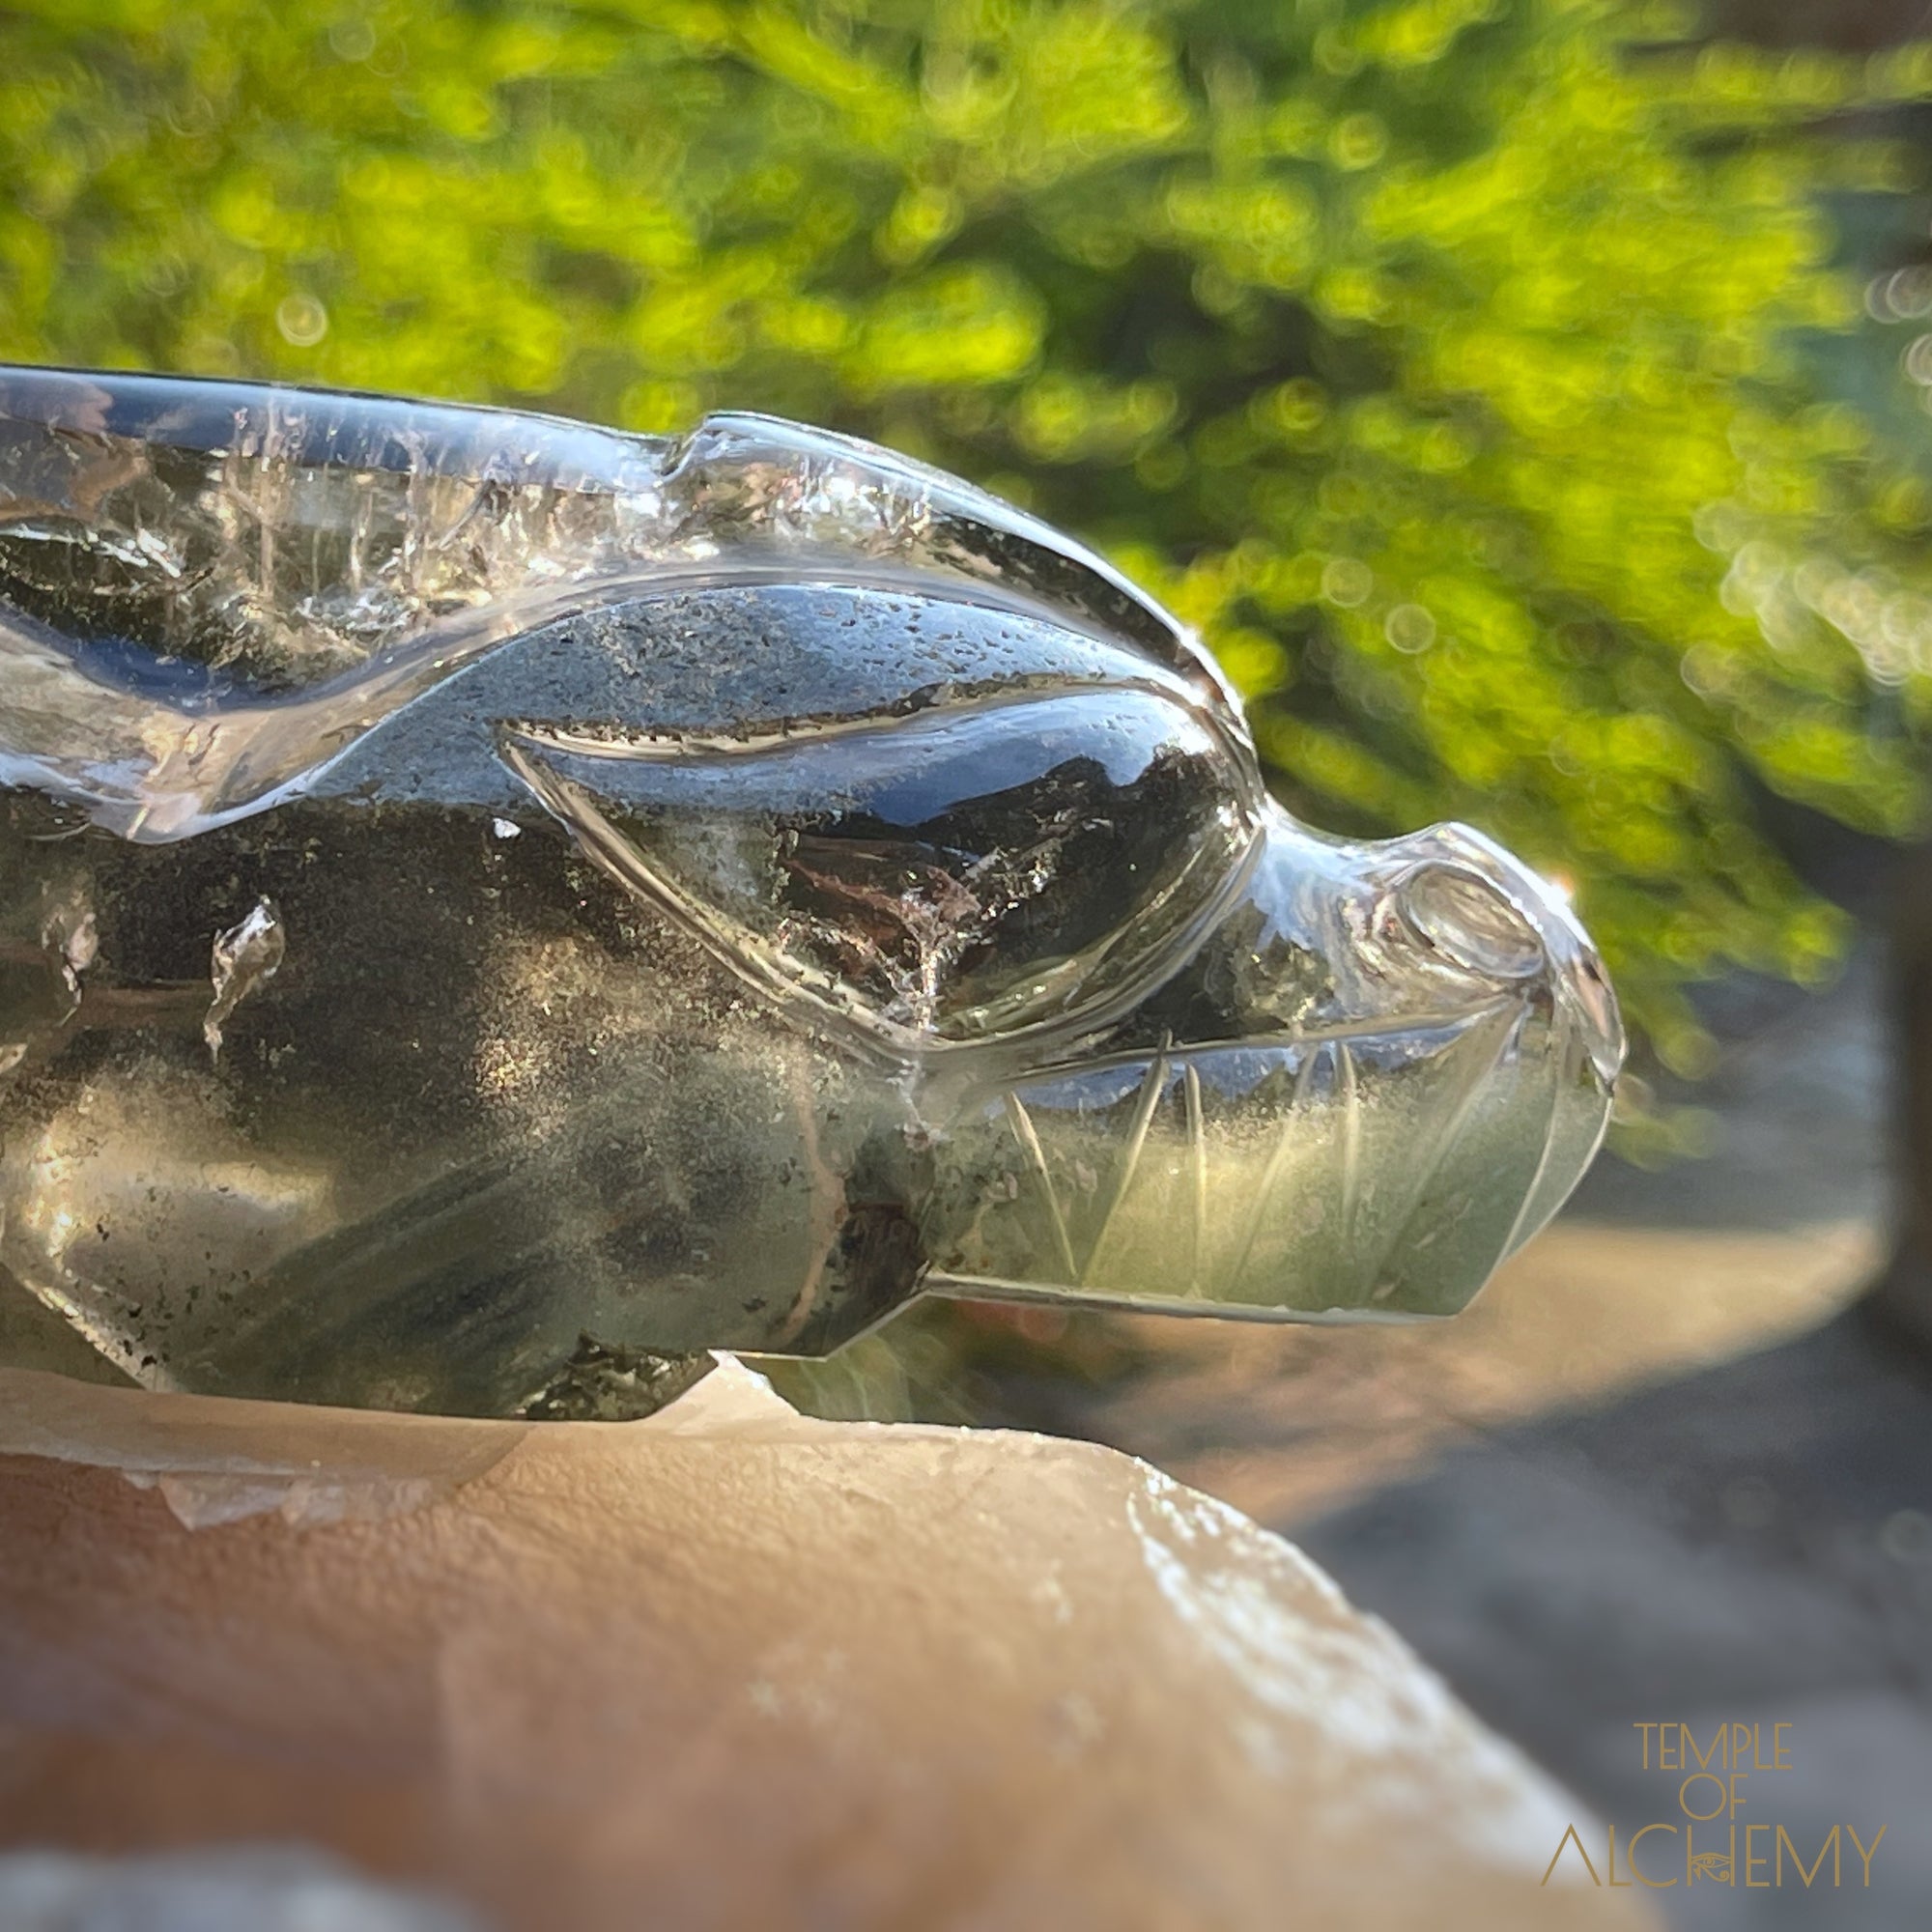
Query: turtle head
(1381, 1070)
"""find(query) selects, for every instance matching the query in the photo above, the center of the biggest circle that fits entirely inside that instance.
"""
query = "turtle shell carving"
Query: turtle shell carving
(492, 904)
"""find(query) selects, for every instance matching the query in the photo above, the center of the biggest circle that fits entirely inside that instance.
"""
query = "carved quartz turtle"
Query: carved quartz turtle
(487, 897)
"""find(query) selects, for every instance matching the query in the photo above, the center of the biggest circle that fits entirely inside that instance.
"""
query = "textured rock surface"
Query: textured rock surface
(727, 1667)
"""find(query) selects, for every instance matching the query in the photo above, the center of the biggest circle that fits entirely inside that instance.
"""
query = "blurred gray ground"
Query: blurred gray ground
(1800, 1099)
(1750, 1544)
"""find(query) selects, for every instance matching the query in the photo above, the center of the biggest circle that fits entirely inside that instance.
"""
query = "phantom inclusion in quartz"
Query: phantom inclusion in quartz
(493, 906)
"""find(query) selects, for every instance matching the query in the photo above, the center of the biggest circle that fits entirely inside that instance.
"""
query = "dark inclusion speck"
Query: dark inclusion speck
(603, 1383)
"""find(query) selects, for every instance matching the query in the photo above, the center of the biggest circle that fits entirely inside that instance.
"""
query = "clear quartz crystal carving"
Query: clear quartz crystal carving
(493, 906)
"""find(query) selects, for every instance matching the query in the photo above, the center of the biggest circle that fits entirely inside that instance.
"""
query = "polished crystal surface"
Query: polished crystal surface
(491, 907)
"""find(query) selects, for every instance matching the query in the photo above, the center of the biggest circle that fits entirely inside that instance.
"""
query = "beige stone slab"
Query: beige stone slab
(728, 1668)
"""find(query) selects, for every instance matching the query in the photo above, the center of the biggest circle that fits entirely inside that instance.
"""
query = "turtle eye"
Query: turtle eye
(1462, 918)
(938, 877)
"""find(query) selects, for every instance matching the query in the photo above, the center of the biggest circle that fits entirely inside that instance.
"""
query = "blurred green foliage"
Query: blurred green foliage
(1453, 364)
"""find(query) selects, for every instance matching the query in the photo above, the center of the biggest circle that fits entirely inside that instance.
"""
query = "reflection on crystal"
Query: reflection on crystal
(245, 956)
(491, 908)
